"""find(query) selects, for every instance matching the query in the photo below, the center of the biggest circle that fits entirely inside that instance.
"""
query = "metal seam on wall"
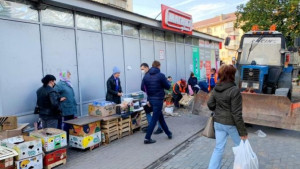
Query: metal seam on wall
(77, 67)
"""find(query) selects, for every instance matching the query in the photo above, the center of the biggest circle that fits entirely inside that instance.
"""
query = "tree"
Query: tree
(285, 14)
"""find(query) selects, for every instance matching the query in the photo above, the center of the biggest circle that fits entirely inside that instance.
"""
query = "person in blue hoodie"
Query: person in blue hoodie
(154, 83)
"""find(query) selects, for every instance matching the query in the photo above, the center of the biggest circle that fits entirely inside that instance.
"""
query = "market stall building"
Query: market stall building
(88, 39)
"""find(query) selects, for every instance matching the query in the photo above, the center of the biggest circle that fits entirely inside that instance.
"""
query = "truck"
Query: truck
(266, 69)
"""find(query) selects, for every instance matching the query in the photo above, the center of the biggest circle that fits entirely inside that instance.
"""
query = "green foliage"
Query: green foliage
(285, 14)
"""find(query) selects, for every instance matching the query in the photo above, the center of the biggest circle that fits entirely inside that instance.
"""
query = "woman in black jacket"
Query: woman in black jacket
(226, 103)
(48, 102)
(193, 81)
(114, 89)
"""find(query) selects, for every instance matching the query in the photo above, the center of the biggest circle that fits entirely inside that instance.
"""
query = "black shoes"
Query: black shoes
(170, 136)
(146, 141)
(158, 131)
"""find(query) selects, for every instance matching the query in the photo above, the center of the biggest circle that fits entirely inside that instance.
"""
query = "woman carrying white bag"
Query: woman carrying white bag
(226, 103)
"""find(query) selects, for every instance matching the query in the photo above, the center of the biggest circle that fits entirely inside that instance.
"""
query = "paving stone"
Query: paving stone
(279, 150)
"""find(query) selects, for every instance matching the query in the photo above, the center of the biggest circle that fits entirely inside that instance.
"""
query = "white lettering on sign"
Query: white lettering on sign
(264, 40)
(181, 22)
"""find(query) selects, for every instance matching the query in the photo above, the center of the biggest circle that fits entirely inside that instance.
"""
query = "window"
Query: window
(112, 27)
(179, 39)
(58, 16)
(130, 30)
(188, 40)
(159, 35)
(209, 31)
(88, 22)
(19, 10)
(146, 33)
(170, 37)
(195, 41)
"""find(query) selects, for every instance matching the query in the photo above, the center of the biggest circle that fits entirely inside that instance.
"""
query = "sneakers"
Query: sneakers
(170, 136)
(146, 141)
(158, 131)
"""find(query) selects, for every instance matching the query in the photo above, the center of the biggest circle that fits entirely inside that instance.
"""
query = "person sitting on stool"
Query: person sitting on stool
(179, 88)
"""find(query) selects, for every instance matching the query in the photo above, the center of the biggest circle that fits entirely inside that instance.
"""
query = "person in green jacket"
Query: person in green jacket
(69, 107)
(170, 80)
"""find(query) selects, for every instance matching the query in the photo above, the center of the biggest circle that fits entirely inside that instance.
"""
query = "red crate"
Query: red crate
(55, 156)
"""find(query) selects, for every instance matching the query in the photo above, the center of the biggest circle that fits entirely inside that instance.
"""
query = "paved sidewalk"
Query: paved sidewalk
(279, 150)
(130, 152)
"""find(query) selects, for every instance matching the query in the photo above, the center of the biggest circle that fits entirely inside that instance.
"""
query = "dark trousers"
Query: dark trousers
(177, 99)
(64, 126)
(157, 106)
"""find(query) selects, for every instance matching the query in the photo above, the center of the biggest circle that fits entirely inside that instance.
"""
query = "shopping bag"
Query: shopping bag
(191, 92)
(209, 130)
(244, 157)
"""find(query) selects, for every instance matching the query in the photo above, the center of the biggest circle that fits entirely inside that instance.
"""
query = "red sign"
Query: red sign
(175, 20)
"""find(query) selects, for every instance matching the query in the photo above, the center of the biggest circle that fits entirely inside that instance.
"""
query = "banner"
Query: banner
(196, 62)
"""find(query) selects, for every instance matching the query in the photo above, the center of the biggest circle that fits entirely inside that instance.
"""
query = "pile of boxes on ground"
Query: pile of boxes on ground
(47, 148)
(43, 148)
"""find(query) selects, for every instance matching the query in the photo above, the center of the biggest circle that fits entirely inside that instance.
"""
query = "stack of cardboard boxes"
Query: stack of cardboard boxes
(54, 146)
(29, 151)
(85, 132)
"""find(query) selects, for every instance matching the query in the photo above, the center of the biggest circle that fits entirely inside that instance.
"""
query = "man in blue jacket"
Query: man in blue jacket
(154, 84)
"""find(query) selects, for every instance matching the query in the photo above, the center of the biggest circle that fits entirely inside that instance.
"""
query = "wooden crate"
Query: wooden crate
(144, 121)
(124, 127)
(58, 163)
(110, 128)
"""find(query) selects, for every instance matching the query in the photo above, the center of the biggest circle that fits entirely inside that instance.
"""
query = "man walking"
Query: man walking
(154, 84)
(148, 109)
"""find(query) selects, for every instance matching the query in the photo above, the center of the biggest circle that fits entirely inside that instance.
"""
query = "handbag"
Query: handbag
(209, 130)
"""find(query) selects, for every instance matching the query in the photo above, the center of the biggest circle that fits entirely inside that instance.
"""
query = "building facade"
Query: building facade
(88, 40)
(223, 26)
(122, 4)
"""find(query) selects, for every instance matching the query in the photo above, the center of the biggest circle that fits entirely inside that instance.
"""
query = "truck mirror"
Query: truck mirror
(227, 41)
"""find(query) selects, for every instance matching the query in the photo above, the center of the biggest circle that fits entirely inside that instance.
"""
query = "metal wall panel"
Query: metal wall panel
(60, 54)
(180, 61)
(90, 66)
(20, 66)
(160, 55)
(147, 51)
(113, 56)
(171, 60)
(188, 61)
(132, 64)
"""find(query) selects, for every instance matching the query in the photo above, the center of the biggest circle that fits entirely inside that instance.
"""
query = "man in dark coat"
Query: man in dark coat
(114, 89)
(154, 84)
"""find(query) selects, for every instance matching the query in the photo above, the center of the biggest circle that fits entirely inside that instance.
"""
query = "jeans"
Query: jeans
(149, 117)
(177, 99)
(222, 132)
(49, 123)
(157, 106)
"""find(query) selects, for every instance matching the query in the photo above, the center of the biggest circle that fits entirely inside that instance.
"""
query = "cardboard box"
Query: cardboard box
(9, 122)
(25, 146)
(102, 111)
(52, 138)
(85, 142)
(7, 158)
(186, 100)
(13, 133)
(85, 130)
(30, 163)
(55, 156)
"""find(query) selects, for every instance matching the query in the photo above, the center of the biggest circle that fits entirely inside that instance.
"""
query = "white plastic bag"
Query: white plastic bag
(244, 157)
